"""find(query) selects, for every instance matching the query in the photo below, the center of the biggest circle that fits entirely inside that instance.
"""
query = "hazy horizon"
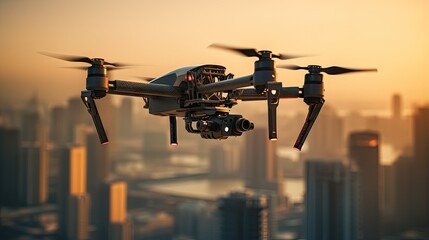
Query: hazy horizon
(389, 35)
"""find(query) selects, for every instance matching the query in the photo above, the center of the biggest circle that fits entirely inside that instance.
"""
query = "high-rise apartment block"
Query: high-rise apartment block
(73, 201)
(243, 216)
(331, 201)
(364, 153)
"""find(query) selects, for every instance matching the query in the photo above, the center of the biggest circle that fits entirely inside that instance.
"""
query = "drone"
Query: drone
(203, 95)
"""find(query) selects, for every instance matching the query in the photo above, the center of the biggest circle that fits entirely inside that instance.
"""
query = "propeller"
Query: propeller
(334, 70)
(92, 61)
(252, 52)
(109, 68)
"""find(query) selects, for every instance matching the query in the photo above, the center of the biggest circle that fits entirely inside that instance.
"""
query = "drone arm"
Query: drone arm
(226, 85)
(88, 100)
(137, 89)
(250, 94)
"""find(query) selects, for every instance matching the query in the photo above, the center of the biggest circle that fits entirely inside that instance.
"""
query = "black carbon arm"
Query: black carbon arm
(226, 85)
(137, 89)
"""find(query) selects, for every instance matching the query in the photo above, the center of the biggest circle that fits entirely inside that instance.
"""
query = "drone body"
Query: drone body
(203, 95)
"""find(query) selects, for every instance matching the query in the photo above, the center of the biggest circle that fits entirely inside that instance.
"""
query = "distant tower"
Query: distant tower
(405, 211)
(113, 223)
(262, 170)
(331, 201)
(59, 125)
(32, 125)
(9, 166)
(263, 173)
(421, 166)
(421, 135)
(243, 216)
(23, 170)
(396, 106)
(364, 153)
(224, 161)
(73, 201)
(97, 170)
(33, 177)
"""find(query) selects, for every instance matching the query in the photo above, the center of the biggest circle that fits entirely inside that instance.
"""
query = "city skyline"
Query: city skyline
(164, 184)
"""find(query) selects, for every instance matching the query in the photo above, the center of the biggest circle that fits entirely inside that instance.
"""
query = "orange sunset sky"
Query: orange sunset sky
(160, 36)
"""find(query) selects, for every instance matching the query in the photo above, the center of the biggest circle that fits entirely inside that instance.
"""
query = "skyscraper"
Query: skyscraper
(262, 170)
(24, 169)
(331, 201)
(364, 153)
(32, 124)
(397, 130)
(59, 129)
(9, 166)
(77, 217)
(73, 201)
(243, 216)
(224, 161)
(263, 173)
(411, 181)
(421, 167)
(33, 177)
(396, 106)
(404, 193)
(387, 196)
(97, 169)
(113, 223)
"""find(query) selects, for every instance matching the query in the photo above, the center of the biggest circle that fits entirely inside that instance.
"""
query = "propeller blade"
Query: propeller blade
(116, 64)
(283, 56)
(109, 68)
(77, 68)
(68, 58)
(334, 70)
(292, 67)
(252, 52)
(248, 52)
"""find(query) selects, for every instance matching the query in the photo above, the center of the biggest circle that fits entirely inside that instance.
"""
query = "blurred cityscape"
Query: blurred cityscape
(359, 176)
